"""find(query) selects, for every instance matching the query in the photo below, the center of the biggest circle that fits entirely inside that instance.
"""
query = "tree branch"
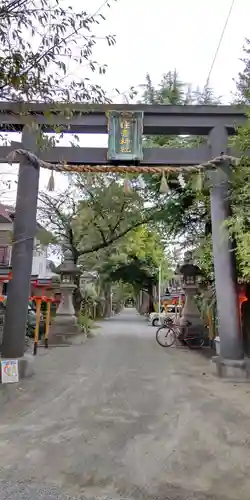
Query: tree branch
(116, 237)
(119, 218)
(100, 231)
(72, 245)
(100, 208)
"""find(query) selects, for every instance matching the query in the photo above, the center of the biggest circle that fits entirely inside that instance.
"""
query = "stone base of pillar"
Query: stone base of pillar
(25, 366)
(65, 333)
(233, 369)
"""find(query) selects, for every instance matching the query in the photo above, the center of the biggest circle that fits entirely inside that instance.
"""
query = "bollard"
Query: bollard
(210, 324)
(36, 333)
(47, 323)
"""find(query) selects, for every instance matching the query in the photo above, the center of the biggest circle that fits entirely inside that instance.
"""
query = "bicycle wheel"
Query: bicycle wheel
(165, 336)
(194, 342)
(156, 322)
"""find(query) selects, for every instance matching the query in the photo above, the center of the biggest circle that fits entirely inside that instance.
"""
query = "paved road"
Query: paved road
(121, 418)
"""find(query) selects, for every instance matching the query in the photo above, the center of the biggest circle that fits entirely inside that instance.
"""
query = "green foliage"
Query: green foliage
(243, 81)
(45, 237)
(94, 213)
(41, 42)
(203, 256)
(136, 260)
(122, 291)
(239, 223)
(185, 210)
(107, 230)
(138, 272)
(143, 242)
(86, 323)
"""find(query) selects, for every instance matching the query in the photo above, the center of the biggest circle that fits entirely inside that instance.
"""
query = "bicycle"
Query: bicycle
(172, 333)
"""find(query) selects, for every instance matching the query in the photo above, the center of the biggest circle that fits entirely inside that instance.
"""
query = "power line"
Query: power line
(220, 42)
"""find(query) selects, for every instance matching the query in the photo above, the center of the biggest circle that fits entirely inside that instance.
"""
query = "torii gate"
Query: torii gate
(215, 122)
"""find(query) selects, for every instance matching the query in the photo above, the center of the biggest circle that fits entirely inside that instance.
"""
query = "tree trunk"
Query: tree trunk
(147, 305)
(77, 296)
(99, 310)
(150, 302)
(107, 297)
(144, 307)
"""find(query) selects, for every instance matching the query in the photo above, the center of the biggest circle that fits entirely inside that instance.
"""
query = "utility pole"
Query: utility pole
(159, 292)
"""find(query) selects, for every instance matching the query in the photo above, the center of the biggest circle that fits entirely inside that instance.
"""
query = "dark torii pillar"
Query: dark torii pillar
(22, 254)
(231, 362)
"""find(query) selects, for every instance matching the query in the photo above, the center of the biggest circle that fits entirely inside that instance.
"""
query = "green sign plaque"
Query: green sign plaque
(125, 136)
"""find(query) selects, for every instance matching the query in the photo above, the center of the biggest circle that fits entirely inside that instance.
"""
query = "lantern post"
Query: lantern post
(191, 278)
(64, 329)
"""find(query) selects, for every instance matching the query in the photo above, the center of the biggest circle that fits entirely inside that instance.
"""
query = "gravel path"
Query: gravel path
(121, 418)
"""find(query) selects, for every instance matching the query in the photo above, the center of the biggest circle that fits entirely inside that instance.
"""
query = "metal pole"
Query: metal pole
(22, 254)
(159, 291)
(231, 344)
(47, 323)
(37, 327)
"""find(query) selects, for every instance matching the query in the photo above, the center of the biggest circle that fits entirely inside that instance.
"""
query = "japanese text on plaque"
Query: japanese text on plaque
(125, 140)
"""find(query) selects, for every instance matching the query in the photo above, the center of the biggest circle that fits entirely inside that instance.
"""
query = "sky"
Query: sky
(159, 36)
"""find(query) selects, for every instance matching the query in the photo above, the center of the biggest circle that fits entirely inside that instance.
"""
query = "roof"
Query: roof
(5, 214)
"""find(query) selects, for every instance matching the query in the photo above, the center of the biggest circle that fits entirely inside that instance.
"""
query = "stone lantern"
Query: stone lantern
(64, 328)
(191, 278)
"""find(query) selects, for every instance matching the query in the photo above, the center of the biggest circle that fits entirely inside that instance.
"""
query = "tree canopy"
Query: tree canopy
(93, 213)
(243, 80)
(136, 260)
(187, 211)
(184, 211)
(45, 42)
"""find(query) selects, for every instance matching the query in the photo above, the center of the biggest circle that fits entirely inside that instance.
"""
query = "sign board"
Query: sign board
(9, 371)
(125, 137)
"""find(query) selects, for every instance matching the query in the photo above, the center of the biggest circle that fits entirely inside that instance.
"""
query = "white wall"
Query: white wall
(39, 263)
(5, 226)
(39, 266)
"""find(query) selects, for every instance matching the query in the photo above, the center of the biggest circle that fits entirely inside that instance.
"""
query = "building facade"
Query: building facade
(40, 266)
